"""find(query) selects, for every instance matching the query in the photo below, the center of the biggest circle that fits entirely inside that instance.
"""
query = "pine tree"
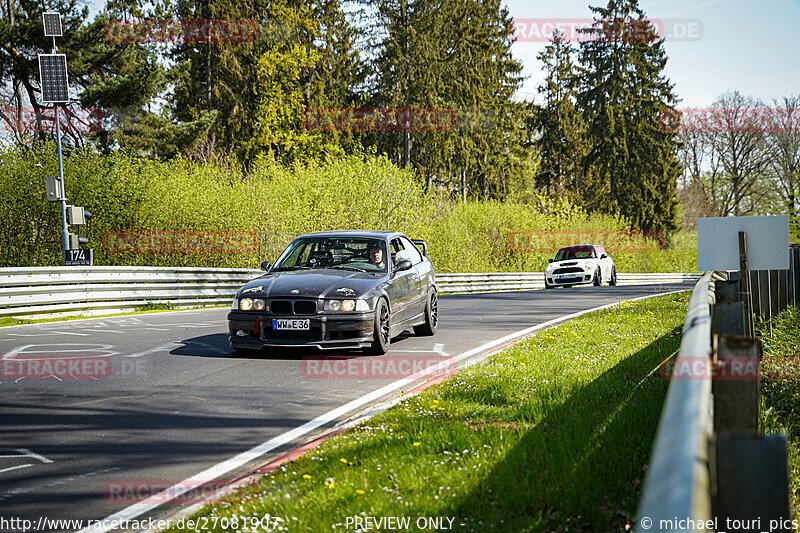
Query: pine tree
(562, 145)
(623, 97)
(453, 55)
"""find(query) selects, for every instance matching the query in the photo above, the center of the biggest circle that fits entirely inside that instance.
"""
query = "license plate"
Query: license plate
(283, 323)
(566, 276)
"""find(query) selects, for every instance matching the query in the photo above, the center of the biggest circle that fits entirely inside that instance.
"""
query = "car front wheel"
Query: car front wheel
(613, 276)
(431, 316)
(380, 337)
(598, 279)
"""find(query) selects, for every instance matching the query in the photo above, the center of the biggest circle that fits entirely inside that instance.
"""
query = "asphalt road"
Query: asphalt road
(161, 397)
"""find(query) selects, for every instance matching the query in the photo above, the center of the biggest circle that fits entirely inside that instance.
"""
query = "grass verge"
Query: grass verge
(780, 398)
(553, 433)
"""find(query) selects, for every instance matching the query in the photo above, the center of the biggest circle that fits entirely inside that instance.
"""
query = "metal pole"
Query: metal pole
(745, 285)
(64, 228)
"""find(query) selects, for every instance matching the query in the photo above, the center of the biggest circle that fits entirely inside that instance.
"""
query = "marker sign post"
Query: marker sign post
(743, 243)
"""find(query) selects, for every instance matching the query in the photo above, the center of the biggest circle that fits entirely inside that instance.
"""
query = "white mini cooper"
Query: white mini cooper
(575, 265)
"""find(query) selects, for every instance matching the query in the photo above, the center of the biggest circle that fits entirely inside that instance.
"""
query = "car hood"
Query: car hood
(321, 283)
(573, 262)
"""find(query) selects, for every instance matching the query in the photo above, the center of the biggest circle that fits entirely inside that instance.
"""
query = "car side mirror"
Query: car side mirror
(549, 260)
(405, 264)
(265, 266)
(603, 256)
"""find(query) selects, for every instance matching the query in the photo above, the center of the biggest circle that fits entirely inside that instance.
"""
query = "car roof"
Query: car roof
(577, 247)
(371, 234)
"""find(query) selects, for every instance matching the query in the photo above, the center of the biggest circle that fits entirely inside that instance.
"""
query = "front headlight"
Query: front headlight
(588, 266)
(339, 305)
(246, 304)
(362, 306)
(259, 304)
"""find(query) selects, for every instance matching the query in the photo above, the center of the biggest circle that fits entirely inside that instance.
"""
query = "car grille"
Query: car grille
(293, 307)
(567, 270)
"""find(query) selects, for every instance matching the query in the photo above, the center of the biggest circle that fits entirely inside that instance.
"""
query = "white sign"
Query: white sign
(767, 242)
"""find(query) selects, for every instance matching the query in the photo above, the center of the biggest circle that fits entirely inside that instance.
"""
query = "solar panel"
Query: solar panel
(52, 24)
(53, 75)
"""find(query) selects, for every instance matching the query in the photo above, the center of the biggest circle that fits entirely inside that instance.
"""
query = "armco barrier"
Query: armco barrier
(58, 291)
(711, 464)
(678, 480)
(494, 281)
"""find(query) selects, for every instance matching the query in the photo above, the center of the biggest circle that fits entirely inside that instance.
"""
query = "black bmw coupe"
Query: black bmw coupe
(338, 289)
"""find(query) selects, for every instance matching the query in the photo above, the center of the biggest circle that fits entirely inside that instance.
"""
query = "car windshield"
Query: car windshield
(575, 252)
(344, 253)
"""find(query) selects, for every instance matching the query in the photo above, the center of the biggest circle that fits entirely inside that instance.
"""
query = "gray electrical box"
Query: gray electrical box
(53, 187)
(75, 215)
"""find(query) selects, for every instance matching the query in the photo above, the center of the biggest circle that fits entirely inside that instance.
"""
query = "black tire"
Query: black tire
(613, 280)
(431, 317)
(381, 337)
(547, 285)
(598, 278)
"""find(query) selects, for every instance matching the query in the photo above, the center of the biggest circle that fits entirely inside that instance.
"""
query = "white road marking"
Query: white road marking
(101, 349)
(71, 333)
(29, 453)
(14, 468)
(437, 348)
(220, 469)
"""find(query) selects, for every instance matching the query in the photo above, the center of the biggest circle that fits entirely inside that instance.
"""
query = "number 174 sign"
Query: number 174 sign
(78, 257)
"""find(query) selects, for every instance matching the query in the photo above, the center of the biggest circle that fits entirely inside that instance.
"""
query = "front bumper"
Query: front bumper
(328, 331)
(577, 279)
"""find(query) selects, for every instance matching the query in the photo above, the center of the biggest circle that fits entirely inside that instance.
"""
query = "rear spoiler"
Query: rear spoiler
(421, 244)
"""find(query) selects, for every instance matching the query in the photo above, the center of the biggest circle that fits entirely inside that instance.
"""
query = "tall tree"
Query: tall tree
(623, 96)
(785, 148)
(562, 145)
(452, 55)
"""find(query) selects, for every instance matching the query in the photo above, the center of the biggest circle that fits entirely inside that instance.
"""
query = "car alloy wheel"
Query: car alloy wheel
(613, 276)
(381, 337)
(598, 279)
(431, 316)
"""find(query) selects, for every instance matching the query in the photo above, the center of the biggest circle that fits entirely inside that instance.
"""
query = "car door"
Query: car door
(401, 285)
(424, 273)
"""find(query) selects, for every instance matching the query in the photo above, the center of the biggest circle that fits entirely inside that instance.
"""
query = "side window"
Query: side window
(413, 252)
(398, 252)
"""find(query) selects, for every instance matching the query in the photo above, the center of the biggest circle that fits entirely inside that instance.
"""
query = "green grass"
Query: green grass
(780, 398)
(553, 433)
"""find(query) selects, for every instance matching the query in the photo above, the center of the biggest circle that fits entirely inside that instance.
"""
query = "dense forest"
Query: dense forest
(430, 85)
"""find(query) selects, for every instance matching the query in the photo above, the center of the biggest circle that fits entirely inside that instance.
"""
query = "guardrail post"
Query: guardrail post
(752, 484)
(745, 280)
(736, 384)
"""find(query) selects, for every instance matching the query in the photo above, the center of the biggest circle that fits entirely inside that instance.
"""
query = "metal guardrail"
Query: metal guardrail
(54, 291)
(58, 291)
(712, 465)
(494, 281)
(677, 481)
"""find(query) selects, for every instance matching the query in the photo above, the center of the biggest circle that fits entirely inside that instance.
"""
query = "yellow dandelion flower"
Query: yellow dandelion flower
(417, 443)
(359, 491)
(306, 476)
(343, 460)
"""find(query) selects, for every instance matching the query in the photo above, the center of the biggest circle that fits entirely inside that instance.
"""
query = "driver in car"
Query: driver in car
(375, 254)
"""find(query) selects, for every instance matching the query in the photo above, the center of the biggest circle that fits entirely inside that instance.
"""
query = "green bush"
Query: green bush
(126, 193)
